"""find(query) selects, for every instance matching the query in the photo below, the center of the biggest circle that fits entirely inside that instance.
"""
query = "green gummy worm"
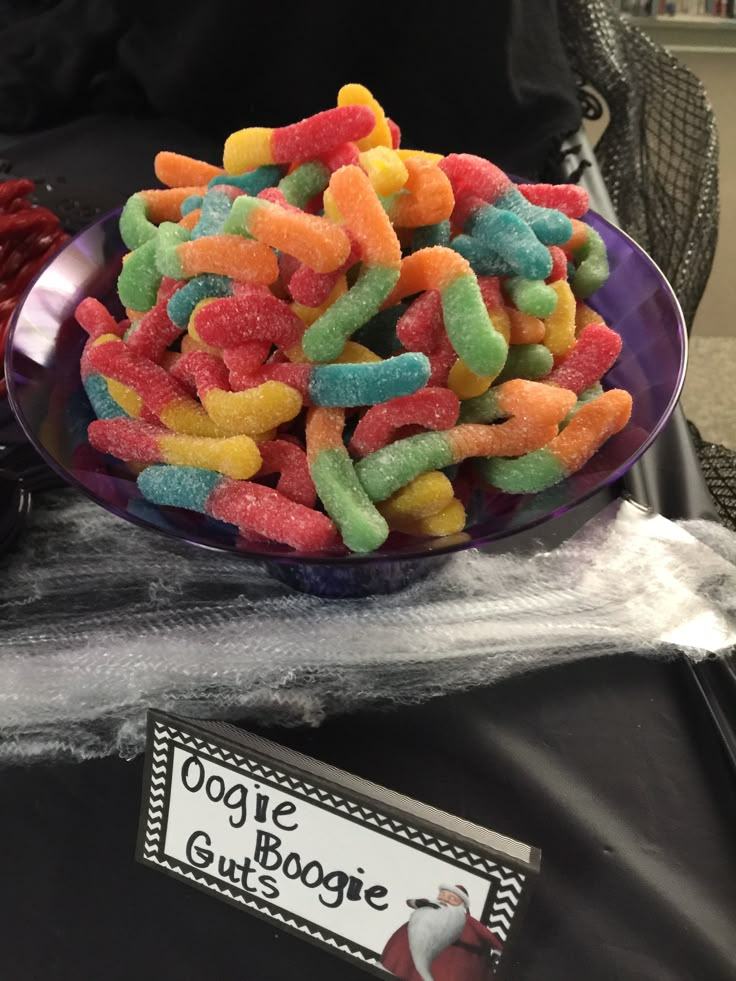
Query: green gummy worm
(531, 296)
(389, 469)
(325, 339)
(526, 474)
(592, 270)
(469, 327)
(527, 361)
(140, 278)
(362, 528)
(301, 185)
(135, 228)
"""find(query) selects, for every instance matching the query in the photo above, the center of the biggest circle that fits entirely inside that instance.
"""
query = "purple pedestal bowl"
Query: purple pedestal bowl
(45, 389)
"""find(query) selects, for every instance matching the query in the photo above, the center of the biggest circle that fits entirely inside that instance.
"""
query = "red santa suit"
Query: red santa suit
(465, 960)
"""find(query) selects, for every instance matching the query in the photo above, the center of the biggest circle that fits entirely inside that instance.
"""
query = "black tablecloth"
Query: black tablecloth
(610, 766)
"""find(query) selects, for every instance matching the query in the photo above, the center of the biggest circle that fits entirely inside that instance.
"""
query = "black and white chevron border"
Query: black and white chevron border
(508, 883)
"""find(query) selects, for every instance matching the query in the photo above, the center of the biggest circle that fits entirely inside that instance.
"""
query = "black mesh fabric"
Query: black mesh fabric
(718, 464)
(659, 152)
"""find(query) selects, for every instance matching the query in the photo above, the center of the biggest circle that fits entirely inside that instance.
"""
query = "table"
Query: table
(610, 766)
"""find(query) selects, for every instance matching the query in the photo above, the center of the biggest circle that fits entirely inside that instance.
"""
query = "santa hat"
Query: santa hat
(459, 891)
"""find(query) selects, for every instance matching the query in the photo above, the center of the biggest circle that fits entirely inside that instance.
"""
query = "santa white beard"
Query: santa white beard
(430, 932)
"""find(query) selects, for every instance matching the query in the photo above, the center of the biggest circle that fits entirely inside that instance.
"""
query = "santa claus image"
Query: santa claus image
(441, 941)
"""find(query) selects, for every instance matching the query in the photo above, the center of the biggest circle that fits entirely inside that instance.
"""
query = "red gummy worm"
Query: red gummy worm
(421, 328)
(571, 199)
(596, 350)
(290, 461)
(154, 332)
(559, 264)
(345, 155)
(265, 511)
(127, 439)
(204, 370)
(93, 317)
(320, 133)
(250, 316)
(311, 288)
(432, 408)
(152, 382)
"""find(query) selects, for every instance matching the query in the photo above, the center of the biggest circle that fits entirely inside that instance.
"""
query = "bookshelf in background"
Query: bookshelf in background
(677, 9)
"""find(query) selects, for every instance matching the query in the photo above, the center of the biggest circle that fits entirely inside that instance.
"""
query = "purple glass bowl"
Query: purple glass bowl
(42, 368)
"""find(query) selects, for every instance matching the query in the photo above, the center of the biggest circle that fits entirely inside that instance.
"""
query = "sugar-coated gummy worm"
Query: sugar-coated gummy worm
(571, 199)
(368, 383)
(255, 314)
(144, 210)
(468, 325)
(524, 328)
(250, 412)
(140, 277)
(591, 262)
(141, 442)
(181, 305)
(305, 140)
(503, 235)
(362, 528)
(354, 94)
(178, 170)
(290, 461)
(432, 408)
(161, 394)
(473, 176)
(427, 494)
(532, 296)
(534, 420)
(559, 326)
(91, 315)
(315, 241)
(532, 361)
(251, 507)
(595, 352)
(301, 185)
(587, 431)
(252, 182)
(386, 170)
(381, 253)
(224, 255)
(154, 333)
(420, 327)
(428, 197)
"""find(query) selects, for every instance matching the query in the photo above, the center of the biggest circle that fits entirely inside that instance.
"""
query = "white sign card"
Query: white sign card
(396, 886)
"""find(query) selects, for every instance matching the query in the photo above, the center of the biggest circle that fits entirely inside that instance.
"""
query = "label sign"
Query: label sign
(394, 885)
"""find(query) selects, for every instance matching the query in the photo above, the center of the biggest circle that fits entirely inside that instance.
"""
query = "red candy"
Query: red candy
(153, 383)
(311, 288)
(204, 370)
(345, 155)
(570, 199)
(260, 510)
(430, 408)
(559, 264)
(395, 133)
(321, 133)
(595, 352)
(154, 332)
(95, 319)
(421, 327)
(253, 315)
(290, 461)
